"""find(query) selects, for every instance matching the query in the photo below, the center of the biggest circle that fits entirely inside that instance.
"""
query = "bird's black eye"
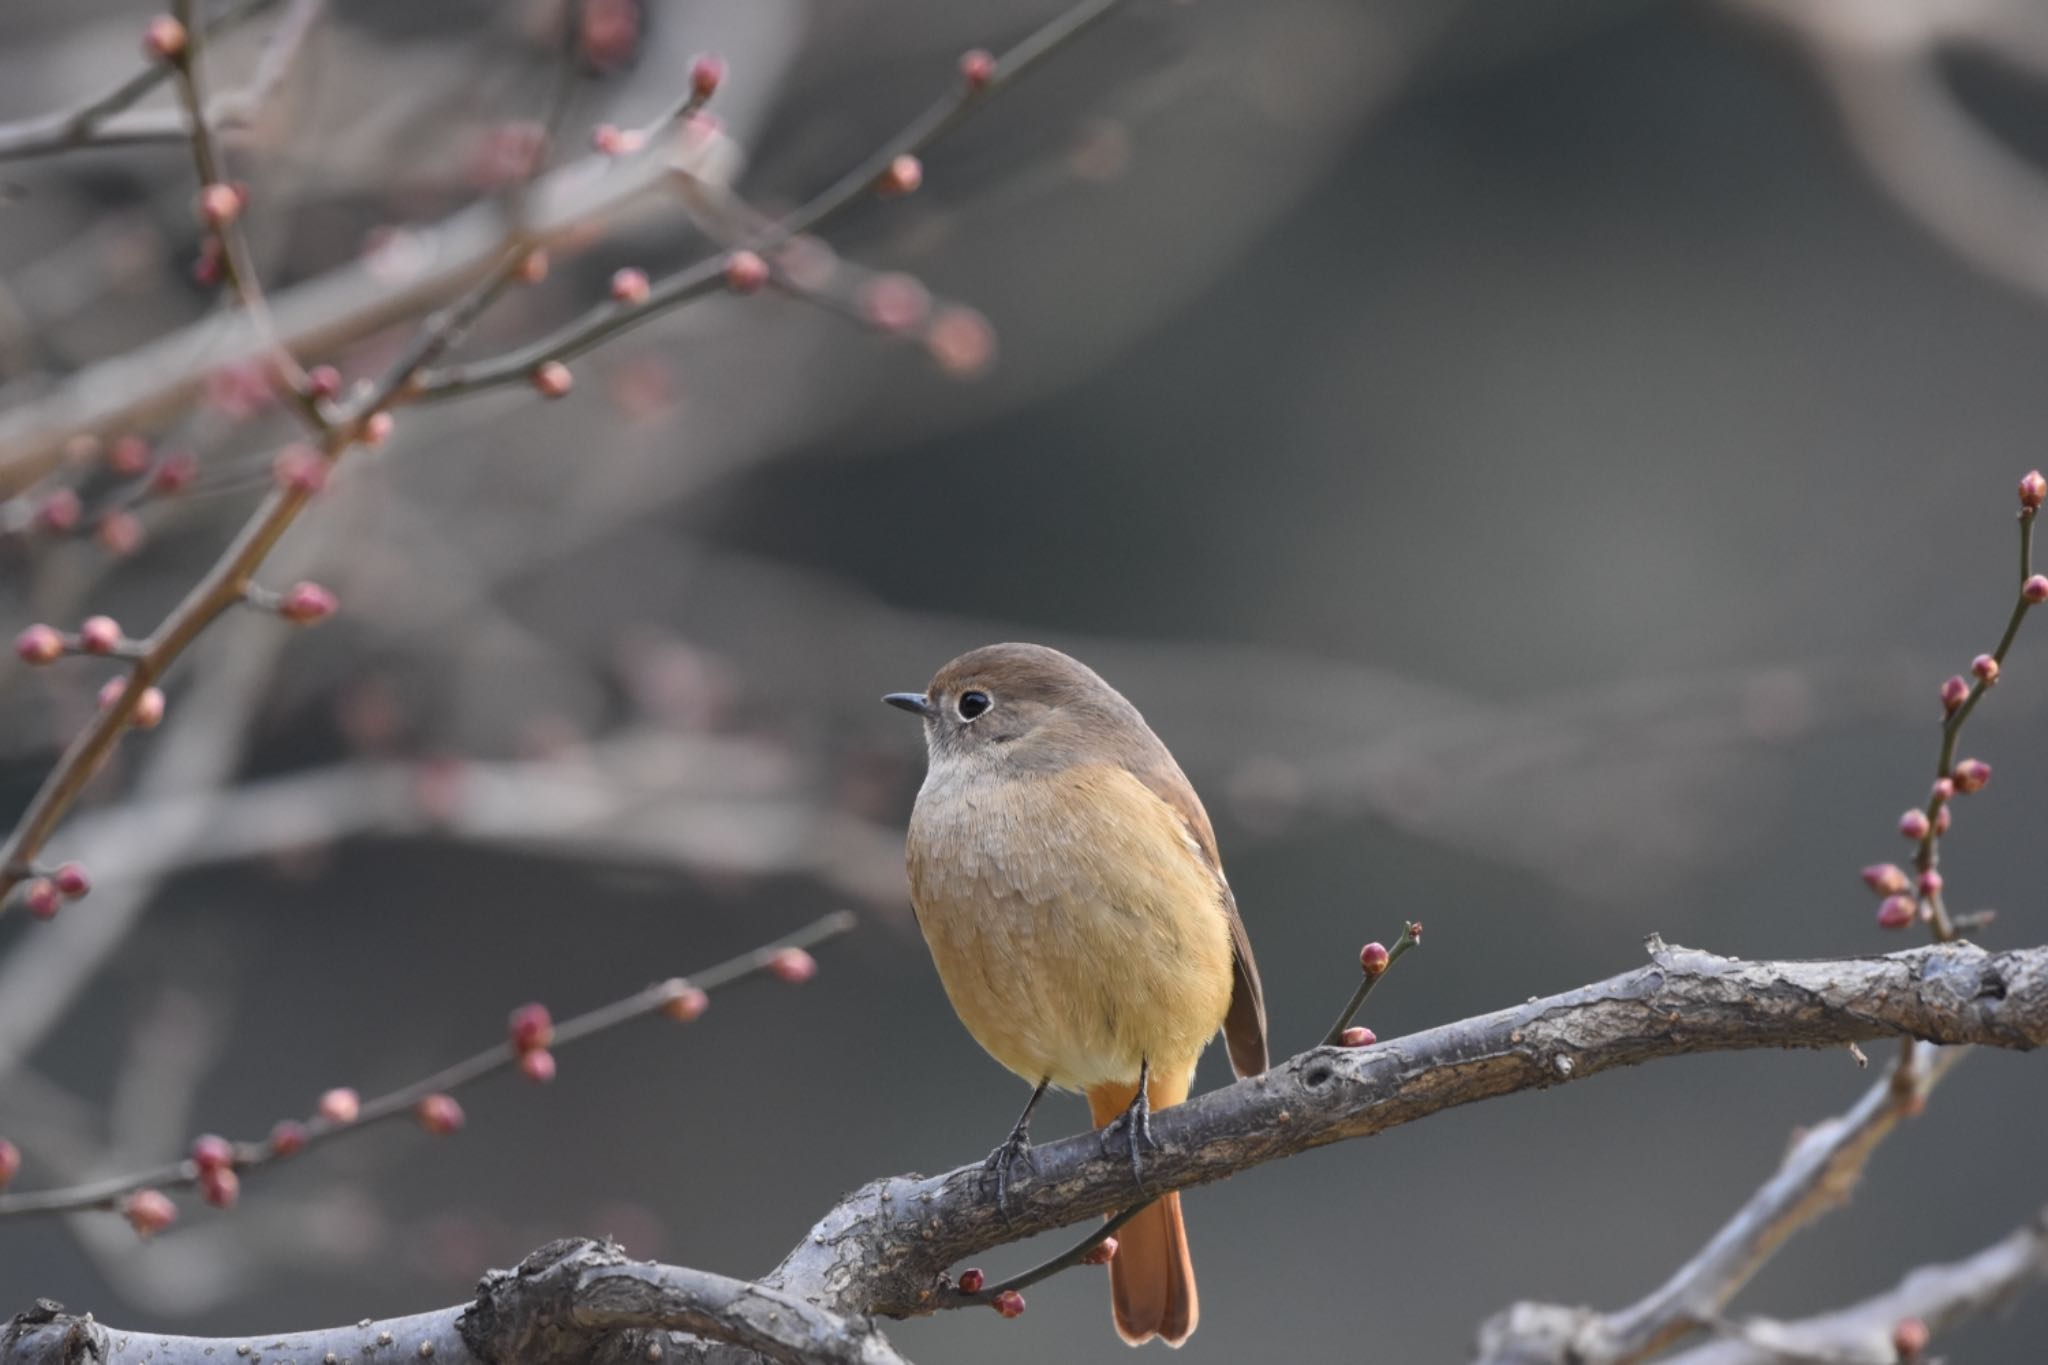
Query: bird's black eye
(972, 704)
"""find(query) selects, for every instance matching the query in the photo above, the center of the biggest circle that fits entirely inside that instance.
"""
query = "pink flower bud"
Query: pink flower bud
(1896, 912)
(175, 472)
(1415, 931)
(1373, 958)
(961, 341)
(60, 511)
(1954, 693)
(149, 709)
(971, 1281)
(439, 1114)
(164, 39)
(340, 1105)
(300, 468)
(895, 302)
(552, 379)
(1913, 824)
(706, 74)
(977, 69)
(220, 1186)
(39, 644)
(1942, 789)
(904, 175)
(1357, 1036)
(1930, 883)
(1910, 1336)
(2035, 589)
(537, 1066)
(10, 1162)
(612, 140)
(43, 899)
(1102, 1253)
(211, 1150)
(287, 1137)
(1971, 774)
(149, 1212)
(745, 272)
(1986, 668)
(323, 382)
(685, 1002)
(533, 267)
(1943, 818)
(99, 635)
(1886, 879)
(72, 880)
(128, 456)
(629, 286)
(1009, 1303)
(377, 429)
(2033, 489)
(793, 965)
(219, 205)
(306, 604)
(531, 1027)
(119, 533)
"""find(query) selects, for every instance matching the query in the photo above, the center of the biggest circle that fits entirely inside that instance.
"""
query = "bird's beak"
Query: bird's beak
(915, 702)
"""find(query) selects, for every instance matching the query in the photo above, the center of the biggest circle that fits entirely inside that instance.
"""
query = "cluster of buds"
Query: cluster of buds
(531, 1029)
(213, 1158)
(149, 707)
(50, 892)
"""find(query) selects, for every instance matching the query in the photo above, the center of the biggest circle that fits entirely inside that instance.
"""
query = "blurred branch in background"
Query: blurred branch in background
(1881, 66)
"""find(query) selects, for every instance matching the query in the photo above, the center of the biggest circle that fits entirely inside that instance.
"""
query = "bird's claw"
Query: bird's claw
(1013, 1149)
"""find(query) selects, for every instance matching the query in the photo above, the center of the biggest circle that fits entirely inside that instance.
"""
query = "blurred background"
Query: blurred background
(1533, 463)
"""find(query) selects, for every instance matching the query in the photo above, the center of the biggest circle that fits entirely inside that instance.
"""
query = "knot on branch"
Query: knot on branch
(527, 1313)
(47, 1335)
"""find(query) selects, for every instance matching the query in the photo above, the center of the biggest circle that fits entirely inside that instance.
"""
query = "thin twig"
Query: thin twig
(1411, 937)
(94, 124)
(607, 320)
(108, 1193)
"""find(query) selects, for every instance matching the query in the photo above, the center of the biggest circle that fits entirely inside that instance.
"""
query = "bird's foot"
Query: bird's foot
(1014, 1149)
(1132, 1130)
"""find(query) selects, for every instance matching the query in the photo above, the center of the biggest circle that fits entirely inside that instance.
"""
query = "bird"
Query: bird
(1067, 882)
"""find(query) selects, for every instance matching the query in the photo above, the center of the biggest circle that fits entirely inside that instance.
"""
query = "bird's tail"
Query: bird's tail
(1151, 1279)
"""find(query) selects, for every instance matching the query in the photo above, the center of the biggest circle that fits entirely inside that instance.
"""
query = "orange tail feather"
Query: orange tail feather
(1151, 1279)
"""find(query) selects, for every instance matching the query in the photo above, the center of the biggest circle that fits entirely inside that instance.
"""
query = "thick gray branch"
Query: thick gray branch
(882, 1249)
(570, 1303)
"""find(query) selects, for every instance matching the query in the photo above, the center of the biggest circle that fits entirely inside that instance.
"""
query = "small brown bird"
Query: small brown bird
(1067, 881)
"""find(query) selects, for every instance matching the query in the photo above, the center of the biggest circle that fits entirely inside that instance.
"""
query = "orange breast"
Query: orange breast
(1073, 921)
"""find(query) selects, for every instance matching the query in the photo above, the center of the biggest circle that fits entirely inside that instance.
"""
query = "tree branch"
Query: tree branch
(1817, 1175)
(884, 1249)
(1939, 1296)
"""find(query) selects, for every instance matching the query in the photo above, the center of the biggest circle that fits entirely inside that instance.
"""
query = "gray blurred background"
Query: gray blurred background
(1532, 462)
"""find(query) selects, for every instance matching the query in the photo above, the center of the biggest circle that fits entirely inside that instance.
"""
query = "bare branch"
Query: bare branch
(569, 1303)
(112, 1192)
(1939, 1296)
(1817, 1175)
(884, 1249)
(105, 121)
